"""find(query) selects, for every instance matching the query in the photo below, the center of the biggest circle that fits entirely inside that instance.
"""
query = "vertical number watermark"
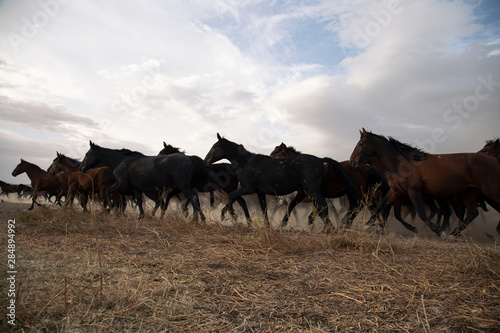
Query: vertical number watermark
(11, 272)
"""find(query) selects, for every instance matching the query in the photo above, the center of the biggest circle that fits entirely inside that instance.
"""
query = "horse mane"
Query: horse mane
(128, 152)
(410, 152)
(492, 141)
(293, 150)
(176, 149)
(32, 164)
(72, 160)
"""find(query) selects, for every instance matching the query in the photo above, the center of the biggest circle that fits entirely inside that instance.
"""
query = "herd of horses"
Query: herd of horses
(382, 173)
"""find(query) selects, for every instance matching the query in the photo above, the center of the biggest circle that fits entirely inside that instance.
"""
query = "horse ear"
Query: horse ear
(164, 144)
(91, 143)
(218, 136)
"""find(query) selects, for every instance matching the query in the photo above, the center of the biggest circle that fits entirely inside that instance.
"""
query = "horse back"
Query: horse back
(451, 173)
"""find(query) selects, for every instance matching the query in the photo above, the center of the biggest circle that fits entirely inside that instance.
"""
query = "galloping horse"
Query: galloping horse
(96, 180)
(263, 175)
(41, 180)
(368, 181)
(20, 189)
(151, 175)
(414, 173)
(215, 177)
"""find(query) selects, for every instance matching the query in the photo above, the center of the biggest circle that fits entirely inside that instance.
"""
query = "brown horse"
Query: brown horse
(41, 180)
(414, 173)
(371, 185)
(94, 181)
(20, 189)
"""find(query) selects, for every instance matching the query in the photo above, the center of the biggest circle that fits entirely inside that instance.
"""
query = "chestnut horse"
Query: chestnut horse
(93, 181)
(416, 174)
(41, 180)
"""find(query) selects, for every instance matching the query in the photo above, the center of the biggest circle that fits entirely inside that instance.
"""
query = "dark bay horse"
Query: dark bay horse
(41, 180)
(492, 148)
(263, 175)
(63, 163)
(414, 173)
(151, 175)
(214, 177)
(20, 189)
(370, 184)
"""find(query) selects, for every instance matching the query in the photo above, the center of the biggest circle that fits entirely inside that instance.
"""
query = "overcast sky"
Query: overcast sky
(308, 73)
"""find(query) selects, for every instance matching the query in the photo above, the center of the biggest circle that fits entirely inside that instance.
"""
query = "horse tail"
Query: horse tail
(343, 176)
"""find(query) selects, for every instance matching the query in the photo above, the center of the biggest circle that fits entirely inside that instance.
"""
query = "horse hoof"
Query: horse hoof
(443, 235)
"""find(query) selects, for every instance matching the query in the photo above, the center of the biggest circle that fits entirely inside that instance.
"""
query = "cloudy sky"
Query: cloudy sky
(308, 73)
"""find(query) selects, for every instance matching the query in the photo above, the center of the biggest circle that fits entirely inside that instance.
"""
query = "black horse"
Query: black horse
(220, 176)
(263, 175)
(152, 175)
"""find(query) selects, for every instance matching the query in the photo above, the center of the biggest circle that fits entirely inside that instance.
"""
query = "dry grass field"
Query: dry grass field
(97, 272)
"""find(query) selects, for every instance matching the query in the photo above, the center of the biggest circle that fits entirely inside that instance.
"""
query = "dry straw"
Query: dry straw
(100, 272)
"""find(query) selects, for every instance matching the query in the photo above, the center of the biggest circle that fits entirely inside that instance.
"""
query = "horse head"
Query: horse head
(20, 168)
(364, 150)
(169, 149)
(492, 147)
(224, 149)
(90, 159)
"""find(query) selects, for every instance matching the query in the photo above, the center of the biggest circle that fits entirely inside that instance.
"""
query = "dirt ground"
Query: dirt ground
(99, 272)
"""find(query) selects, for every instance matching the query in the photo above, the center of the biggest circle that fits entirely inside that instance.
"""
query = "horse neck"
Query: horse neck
(109, 157)
(239, 156)
(387, 158)
(33, 171)
(68, 168)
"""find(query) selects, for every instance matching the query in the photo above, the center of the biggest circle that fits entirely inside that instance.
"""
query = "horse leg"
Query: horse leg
(263, 207)
(33, 199)
(165, 203)
(384, 205)
(397, 215)
(195, 202)
(243, 205)
(321, 209)
(419, 204)
(470, 200)
(212, 198)
(185, 208)
(233, 196)
(351, 212)
(301, 195)
(138, 199)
